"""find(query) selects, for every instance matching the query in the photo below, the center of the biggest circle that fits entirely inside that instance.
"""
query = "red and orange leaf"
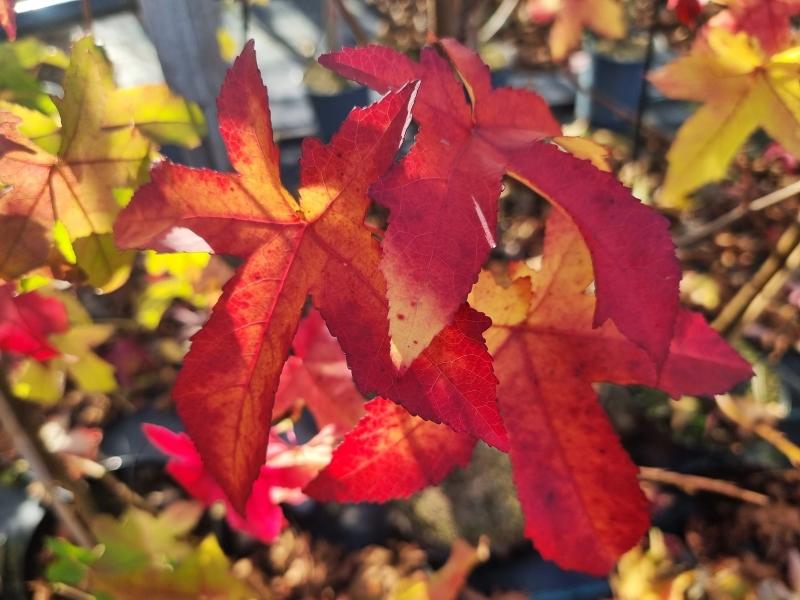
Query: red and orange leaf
(76, 185)
(100, 148)
(578, 488)
(443, 200)
(390, 454)
(318, 246)
(318, 375)
(569, 17)
(27, 320)
(8, 18)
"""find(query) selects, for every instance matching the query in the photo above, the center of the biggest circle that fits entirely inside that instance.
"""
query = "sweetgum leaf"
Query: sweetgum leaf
(72, 176)
(443, 200)
(318, 375)
(27, 320)
(146, 556)
(19, 64)
(578, 488)
(390, 454)
(769, 21)
(75, 358)
(741, 88)
(278, 479)
(318, 246)
(569, 17)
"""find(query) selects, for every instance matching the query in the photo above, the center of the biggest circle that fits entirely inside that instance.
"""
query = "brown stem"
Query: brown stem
(738, 212)
(362, 39)
(788, 245)
(444, 18)
(126, 494)
(40, 461)
(86, 5)
(696, 483)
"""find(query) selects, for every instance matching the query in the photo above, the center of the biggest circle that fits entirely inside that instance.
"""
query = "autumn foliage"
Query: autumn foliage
(398, 310)
(406, 347)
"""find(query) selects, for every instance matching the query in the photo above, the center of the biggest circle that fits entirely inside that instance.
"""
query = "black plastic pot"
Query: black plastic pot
(332, 110)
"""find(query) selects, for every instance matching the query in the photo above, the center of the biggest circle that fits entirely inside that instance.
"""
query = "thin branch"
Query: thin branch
(362, 39)
(644, 89)
(738, 212)
(495, 22)
(86, 5)
(614, 108)
(27, 447)
(788, 245)
(126, 494)
(692, 484)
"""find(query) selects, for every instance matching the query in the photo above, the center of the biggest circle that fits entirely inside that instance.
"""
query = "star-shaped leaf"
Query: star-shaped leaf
(99, 149)
(443, 200)
(318, 245)
(27, 321)
(577, 486)
(741, 89)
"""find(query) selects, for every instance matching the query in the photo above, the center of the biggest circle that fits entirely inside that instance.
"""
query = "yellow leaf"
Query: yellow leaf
(184, 265)
(40, 128)
(18, 64)
(106, 266)
(146, 556)
(73, 174)
(742, 90)
(37, 382)
(89, 372)
(157, 298)
(587, 149)
(157, 112)
(604, 17)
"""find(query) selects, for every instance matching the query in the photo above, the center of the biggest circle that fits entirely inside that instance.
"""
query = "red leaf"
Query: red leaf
(769, 21)
(687, 11)
(8, 18)
(320, 245)
(578, 488)
(390, 454)
(318, 375)
(26, 321)
(443, 200)
(263, 517)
